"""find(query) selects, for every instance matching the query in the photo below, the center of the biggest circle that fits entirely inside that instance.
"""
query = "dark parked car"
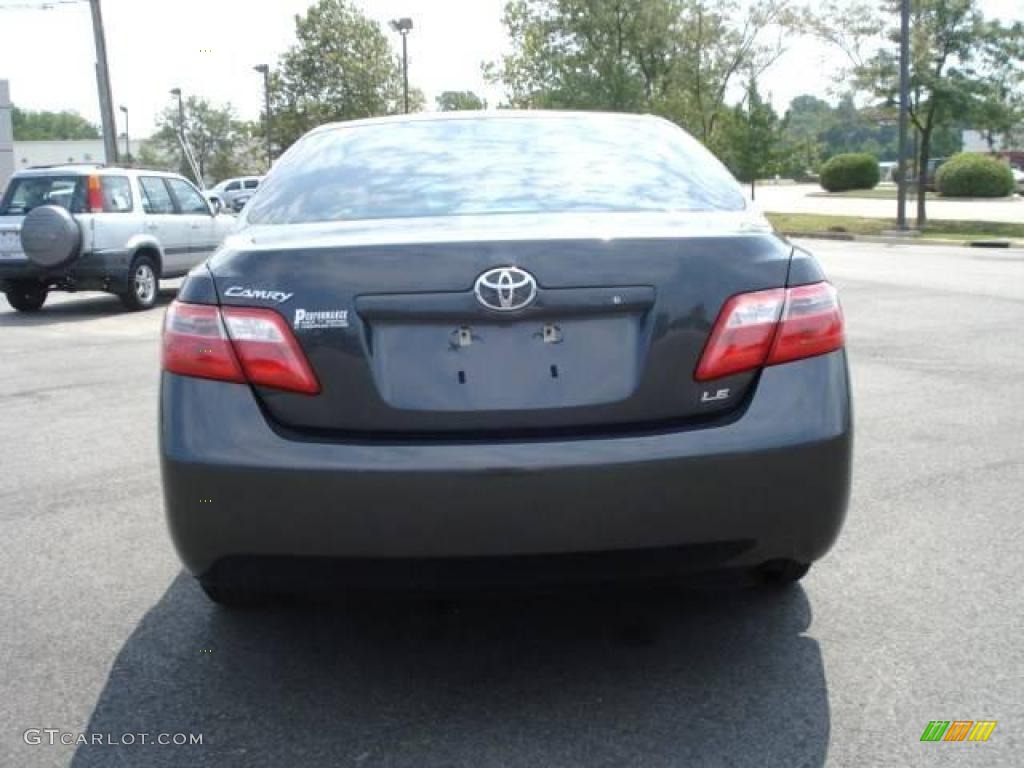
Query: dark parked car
(501, 347)
(933, 168)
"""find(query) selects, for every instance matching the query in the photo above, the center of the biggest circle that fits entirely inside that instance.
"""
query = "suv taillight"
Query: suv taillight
(94, 187)
(239, 344)
(772, 327)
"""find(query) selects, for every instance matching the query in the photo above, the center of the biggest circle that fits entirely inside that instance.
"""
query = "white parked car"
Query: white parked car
(1018, 180)
(94, 228)
(233, 194)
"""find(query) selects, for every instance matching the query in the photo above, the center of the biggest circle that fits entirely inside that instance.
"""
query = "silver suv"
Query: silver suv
(91, 228)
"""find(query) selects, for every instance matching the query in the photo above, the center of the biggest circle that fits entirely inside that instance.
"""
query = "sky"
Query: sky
(208, 48)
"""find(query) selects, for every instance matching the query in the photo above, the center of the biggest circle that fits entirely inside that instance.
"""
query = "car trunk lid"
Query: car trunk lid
(402, 344)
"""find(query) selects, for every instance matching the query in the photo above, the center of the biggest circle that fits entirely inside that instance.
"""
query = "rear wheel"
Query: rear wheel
(782, 573)
(232, 595)
(143, 284)
(27, 296)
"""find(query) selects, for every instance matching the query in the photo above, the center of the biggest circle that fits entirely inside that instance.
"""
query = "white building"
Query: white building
(28, 154)
(974, 141)
(6, 135)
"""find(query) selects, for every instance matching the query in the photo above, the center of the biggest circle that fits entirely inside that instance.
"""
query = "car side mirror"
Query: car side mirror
(215, 206)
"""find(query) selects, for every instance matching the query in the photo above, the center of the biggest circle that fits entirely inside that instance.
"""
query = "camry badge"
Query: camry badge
(240, 291)
(505, 289)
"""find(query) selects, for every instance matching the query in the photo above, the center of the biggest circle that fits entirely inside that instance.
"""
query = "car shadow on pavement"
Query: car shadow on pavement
(715, 677)
(91, 306)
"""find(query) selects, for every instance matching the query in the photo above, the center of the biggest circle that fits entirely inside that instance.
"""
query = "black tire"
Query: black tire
(143, 286)
(779, 574)
(27, 296)
(233, 596)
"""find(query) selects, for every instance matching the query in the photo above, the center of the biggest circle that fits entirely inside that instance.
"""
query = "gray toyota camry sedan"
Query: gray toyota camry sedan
(475, 349)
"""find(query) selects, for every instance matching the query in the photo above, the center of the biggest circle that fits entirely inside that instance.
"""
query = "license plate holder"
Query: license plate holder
(10, 247)
(525, 365)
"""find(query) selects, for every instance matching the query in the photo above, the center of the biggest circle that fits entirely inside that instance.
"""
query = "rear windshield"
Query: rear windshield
(28, 192)
(484, 166)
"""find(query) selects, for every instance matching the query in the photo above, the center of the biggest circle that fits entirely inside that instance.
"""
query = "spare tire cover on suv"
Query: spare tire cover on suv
(50, 236)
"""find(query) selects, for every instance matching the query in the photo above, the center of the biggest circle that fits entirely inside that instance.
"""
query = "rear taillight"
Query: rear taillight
(237, 344)
(812, 324)
(196, 344)
(95, 190)
(771, 327)
(742, 335)
(270, 355)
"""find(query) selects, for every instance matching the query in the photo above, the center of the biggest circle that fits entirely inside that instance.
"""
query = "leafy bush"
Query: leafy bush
(857, 170)
(973, 175)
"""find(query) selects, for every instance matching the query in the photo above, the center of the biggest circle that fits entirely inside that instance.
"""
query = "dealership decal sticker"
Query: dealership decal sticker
(958, 730)
(307, 319)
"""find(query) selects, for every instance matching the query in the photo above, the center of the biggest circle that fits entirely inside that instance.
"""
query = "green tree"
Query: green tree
(804, 125)
(221, 143)
(872, 130)
(677, 58)
(341, 67)
(721, 42)
(151, 154)
(956, 56)
(753, 138)
(451, 101)
(55, 126)
(852, 26)
(999, 113)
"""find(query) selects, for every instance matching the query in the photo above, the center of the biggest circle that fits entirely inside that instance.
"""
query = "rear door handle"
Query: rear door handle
(152, 225)
(195, 226)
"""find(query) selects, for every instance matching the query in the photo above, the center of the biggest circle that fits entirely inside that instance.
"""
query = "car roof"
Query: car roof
(490, 114)
(89, 169)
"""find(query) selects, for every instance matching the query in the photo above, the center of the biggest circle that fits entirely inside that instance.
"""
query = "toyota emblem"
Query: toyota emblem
(505, 289)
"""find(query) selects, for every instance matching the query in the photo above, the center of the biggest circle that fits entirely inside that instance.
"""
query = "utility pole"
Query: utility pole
(103, 85)
(265, 70)
(901, 166)
(403, 26)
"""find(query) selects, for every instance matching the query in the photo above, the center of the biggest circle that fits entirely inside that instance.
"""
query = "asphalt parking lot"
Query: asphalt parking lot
(916, 615)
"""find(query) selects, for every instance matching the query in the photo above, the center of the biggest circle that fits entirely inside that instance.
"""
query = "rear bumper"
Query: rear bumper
(772, 483)
(94, 269)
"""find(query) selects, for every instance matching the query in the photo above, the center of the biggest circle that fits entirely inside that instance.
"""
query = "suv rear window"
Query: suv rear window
(472, 166)
(28, 192)
(117, 194)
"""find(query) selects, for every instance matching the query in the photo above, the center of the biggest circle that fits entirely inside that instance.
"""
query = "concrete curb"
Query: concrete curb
(914, 240)
(1014, 198)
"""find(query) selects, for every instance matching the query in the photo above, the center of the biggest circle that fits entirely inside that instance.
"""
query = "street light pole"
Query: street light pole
(265, 71)
(176, 92)
(186, 149)
(127, 144)
(901, 166)
(103, 85)
(403, 26)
